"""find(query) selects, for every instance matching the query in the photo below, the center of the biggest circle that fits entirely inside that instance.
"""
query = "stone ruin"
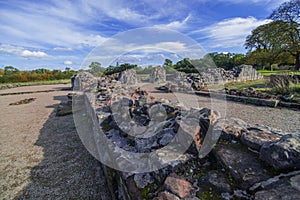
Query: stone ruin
(215, 76)
(247, 161)
(245, 73)
(158, 75)
(128, 77)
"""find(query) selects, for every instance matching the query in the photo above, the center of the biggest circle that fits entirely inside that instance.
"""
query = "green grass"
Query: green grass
(257, 84)
(64, 81)
(269, 72)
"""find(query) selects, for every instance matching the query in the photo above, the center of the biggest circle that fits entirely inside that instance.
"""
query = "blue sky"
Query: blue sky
(55, 34)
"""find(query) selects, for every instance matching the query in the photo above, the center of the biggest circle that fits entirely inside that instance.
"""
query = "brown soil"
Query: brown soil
(41, 155)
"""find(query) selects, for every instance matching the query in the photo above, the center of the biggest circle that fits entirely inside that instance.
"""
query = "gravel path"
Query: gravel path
(41, 155)
(287, 120)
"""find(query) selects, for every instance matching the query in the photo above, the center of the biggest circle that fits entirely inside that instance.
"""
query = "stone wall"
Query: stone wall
(247, 161)
(288, 78)
(158, 75)
(128, 77)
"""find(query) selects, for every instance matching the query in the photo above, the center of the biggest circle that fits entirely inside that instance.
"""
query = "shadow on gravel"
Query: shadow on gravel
(67, 171)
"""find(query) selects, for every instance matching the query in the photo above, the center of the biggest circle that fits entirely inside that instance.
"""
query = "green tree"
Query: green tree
(96, 69)
(273, 39)
(289, 12)
(279, 36)
(168, 63)
(8, 70)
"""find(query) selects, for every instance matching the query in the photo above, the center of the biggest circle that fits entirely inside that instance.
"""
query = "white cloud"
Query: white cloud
(176, 25)
(20, 51)
(62, 49)
(230, 32)
(20, 26)
(6, 48)
(37, 54)
(68, 62)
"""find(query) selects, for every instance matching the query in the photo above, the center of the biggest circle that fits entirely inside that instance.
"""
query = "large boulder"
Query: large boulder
(128, 77)
(283, 154)
(158, 75)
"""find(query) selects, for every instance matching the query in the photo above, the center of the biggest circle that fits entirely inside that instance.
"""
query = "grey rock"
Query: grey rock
(284, 189)
(128, 77)
(283, 154)
(142, 180)
(158, 75)
(243, 166)
(255, 138)
(216, 179)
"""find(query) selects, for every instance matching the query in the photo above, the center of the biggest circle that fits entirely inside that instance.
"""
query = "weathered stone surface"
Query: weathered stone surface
(142, 180)
(245, 72)
(255, 138)
(244, 167)
(165, 195)
(286, 189)
(128, 77)
(158, 75)
(283, 154)
(216, 179)
(179, 187)
(232, 129)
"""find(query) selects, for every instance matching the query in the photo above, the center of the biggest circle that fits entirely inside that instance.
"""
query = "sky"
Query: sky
(56, 34)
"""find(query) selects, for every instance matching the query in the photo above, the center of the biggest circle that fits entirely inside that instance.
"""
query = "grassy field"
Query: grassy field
(65, 81)
(269, 72)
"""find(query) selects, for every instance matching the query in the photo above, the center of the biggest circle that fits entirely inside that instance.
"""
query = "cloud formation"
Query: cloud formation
(20, 51)
(68, 62)
(229, 32)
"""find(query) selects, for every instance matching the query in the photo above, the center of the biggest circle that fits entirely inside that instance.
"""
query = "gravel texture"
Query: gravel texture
(41, 155)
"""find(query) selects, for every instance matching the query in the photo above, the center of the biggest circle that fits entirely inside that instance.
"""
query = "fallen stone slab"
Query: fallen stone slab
(283, 154)
(285, 189)
(242, 165)
(256, 138)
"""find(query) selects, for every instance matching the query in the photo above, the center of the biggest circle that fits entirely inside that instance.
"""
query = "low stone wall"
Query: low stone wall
(247, 161)
(279, 78)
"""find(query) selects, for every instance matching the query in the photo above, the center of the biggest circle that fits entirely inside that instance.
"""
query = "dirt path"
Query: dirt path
(41, 155)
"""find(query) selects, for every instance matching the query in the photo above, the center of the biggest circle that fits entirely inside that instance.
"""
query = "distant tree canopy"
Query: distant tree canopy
(116, 69)
(96, 69)
(11, 74)
(274, 42)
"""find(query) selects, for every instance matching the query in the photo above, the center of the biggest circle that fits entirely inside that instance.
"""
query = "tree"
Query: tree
(8, 70)
(168, 63)
(289, 12)
(96, 69)
(273, 39)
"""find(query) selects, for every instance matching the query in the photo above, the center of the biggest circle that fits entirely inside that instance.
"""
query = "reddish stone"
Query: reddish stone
(165, 195)
(179, 187)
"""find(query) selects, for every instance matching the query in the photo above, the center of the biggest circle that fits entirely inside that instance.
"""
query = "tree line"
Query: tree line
(11, 74)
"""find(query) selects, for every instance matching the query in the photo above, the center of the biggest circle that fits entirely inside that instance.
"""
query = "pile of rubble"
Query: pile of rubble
(246, 161)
